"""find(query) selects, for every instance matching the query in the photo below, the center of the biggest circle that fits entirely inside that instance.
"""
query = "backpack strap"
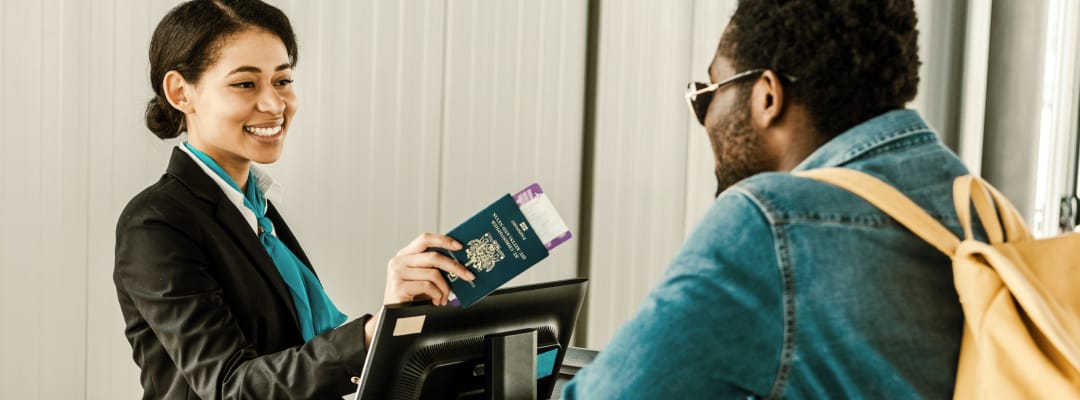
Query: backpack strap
(999, 217)
(963, 189)
(891, 201)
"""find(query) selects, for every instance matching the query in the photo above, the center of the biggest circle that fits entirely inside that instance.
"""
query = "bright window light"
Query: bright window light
(1058, 120)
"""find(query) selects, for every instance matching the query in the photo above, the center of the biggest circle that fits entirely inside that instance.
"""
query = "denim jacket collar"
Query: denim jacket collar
(865, 137)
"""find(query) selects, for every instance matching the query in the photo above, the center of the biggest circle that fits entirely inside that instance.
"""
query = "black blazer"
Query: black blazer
(206, 311)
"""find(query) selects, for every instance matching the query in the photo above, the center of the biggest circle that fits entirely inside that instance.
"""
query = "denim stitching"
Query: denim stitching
(787, 284)
(872, 221)
(787, 352)
(887, 147)
(869, 145)
(878, 140)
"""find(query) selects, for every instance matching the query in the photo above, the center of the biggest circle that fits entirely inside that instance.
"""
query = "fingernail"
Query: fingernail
(472, 276)
(457, 246)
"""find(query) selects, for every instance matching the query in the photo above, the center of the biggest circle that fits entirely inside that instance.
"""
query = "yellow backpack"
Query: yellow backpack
(1020, 295)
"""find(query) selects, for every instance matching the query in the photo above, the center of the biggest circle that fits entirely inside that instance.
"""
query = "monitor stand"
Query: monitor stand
(511, 365)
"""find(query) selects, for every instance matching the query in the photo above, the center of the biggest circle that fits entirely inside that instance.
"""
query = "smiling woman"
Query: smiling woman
(218, 297)
(240, 109)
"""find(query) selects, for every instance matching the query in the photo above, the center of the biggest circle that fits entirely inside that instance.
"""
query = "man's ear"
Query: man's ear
(767, 100)
(178, 92)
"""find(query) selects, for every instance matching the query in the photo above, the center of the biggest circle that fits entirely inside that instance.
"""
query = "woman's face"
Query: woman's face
(244, 102)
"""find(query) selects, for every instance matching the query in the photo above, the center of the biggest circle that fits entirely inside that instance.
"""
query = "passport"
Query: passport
(502, 241)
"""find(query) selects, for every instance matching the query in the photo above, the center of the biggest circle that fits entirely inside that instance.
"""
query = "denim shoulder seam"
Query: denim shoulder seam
(860, 150)
(916, 138)
(787, 291)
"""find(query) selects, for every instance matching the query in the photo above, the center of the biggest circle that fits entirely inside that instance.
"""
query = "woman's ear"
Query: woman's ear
(767, 100)
(177, 91)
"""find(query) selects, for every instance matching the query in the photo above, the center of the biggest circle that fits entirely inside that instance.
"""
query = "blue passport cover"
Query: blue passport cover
(499, 243)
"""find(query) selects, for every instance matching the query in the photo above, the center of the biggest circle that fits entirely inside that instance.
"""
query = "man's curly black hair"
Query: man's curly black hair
(854, 59)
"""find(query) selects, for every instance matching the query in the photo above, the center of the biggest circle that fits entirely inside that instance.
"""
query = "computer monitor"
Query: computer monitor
(420, 351)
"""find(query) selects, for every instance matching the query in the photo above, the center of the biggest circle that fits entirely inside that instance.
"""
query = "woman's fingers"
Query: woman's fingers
(414, 289)
(429, 240)
(425, 274)
(413, 274)
(432, 260)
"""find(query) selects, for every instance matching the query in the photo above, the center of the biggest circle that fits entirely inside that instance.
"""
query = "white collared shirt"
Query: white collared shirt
(264, 182)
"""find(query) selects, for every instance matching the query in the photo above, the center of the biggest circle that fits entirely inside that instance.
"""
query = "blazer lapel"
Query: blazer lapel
(241, 231)
(191, 175)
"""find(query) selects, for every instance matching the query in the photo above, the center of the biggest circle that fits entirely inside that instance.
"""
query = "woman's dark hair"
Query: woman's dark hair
(854, 59)
(189, 39)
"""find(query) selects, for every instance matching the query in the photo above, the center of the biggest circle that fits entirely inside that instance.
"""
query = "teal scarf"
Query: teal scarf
(314, 309)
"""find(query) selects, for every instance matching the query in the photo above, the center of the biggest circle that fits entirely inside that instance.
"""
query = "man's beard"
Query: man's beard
(737, 147)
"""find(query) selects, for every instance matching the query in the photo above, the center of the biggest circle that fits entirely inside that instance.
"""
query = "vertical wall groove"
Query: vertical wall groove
(3, 63)
(372, 166)
(440, 138)
(399, 52)
(40, 174)
(85, 31)
(588, 152)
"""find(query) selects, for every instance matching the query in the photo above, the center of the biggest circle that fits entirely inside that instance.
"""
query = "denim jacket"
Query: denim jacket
(791, 288)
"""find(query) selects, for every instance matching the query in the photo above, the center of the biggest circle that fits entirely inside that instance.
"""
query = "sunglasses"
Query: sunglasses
(699, 95)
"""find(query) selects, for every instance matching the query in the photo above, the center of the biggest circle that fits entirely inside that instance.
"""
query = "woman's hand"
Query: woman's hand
(414, 272)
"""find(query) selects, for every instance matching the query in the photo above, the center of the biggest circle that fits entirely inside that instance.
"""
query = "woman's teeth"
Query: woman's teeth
(263, 131)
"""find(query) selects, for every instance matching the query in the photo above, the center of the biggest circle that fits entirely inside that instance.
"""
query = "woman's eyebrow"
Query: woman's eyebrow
(249, 68)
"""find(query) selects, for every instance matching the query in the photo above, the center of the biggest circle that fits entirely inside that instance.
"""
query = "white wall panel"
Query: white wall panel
(62, 262)
(513, 111)
(59, 85)
(20, 160)
(123, 158)
(639, 155)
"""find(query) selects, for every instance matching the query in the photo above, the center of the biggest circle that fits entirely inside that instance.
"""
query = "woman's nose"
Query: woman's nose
(271, 102)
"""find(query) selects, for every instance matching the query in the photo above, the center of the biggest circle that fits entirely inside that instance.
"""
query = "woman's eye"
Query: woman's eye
(244, 85)
(284, 82)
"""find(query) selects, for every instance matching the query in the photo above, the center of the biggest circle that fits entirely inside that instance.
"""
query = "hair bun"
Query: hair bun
(163, 120)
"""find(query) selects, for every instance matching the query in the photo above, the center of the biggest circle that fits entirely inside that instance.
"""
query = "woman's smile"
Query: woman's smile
(267, 132)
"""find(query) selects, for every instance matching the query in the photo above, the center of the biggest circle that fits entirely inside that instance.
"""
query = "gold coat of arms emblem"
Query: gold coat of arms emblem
(483, 253)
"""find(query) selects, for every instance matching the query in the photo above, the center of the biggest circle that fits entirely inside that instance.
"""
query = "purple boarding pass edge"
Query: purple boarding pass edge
(531, 192)
(557, 241)
(528, 193)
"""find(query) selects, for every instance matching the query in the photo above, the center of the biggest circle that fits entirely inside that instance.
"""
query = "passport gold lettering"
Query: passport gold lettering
(504, 234)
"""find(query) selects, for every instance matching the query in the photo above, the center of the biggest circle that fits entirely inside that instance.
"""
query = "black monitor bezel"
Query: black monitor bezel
(516, 307)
